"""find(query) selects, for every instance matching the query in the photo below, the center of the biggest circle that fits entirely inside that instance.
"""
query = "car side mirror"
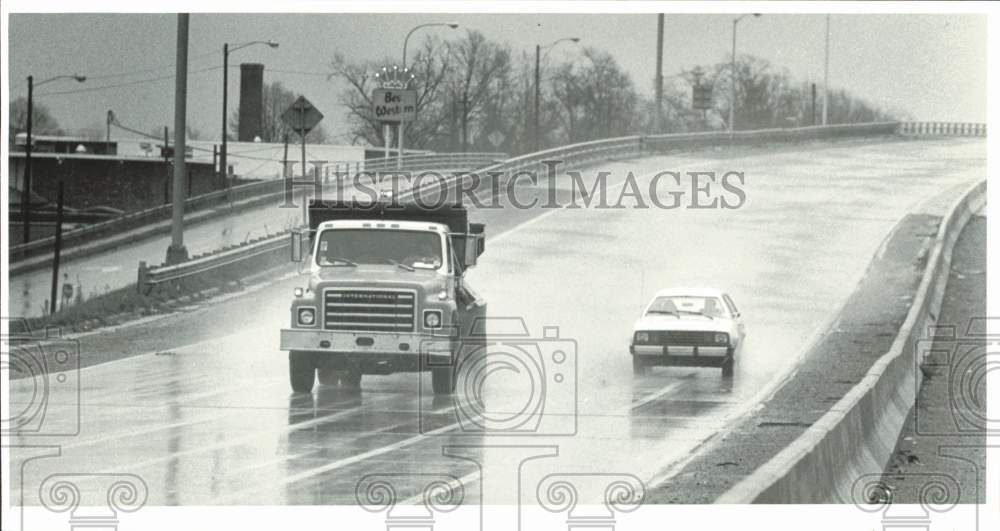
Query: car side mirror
(296, 245)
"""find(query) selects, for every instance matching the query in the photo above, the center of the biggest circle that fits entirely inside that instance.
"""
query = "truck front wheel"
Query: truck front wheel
(301, 371)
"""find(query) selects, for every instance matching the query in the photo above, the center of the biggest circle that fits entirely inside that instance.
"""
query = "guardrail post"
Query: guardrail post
(142, 278)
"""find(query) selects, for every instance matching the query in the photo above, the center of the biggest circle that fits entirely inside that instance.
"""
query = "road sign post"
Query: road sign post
(395, 106)
(302, 117)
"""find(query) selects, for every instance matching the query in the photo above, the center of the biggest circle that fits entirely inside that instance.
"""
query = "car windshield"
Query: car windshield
(679, 305)
(408, 249)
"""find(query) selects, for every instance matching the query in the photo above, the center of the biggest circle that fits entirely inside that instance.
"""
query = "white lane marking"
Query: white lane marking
(341, 463)
(651, 397)
(144, 431)
(233, 442)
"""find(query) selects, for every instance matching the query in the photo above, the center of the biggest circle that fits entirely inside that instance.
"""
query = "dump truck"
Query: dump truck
(386, 293)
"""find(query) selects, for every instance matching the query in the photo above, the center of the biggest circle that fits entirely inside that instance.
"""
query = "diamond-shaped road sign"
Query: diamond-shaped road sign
(302, 116)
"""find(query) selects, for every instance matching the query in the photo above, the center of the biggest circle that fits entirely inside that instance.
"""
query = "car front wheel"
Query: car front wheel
(727, 366)
(638, 367)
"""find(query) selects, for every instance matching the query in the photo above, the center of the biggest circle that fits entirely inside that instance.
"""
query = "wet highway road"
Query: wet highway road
(206, 416)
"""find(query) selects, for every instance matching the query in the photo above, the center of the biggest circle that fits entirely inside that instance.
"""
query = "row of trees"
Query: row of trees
(469, 87)
(472, 89)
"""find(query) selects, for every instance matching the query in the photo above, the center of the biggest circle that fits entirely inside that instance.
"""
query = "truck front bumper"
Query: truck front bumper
(340, 341)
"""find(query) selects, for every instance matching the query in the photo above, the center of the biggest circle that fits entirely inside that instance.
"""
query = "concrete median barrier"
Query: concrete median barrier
(856, 437)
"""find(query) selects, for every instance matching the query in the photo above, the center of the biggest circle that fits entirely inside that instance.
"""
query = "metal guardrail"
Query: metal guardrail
(434, 161)
(942, 129)
(151, 277)
(260, 189)
(571, 156)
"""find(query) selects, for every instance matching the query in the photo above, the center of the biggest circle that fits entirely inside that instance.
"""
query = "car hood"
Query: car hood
(666, 323)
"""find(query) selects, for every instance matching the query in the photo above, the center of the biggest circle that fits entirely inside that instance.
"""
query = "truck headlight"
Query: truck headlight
(432, 318)
(642, 337)
(721, 338)
(298, 292)
(306, 316)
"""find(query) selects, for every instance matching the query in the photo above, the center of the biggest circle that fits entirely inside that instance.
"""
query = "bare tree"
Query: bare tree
(478, 63)
(43, 123)
(429, 67)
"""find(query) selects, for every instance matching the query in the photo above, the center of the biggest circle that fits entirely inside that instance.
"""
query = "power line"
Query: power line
(125, 84)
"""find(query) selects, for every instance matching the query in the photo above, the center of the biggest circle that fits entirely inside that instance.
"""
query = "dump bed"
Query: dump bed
(456, 217)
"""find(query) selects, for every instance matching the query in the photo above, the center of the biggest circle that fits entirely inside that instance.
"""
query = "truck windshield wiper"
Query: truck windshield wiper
(665, 312)
(399, 264)
(331, 259)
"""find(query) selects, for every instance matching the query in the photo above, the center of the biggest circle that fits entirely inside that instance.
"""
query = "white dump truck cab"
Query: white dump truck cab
(385, 293)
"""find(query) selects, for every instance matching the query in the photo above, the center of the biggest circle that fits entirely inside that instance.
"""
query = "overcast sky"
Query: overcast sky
(933, 66)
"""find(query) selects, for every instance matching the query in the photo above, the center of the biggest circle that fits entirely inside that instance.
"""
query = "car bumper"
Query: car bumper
(682, 356)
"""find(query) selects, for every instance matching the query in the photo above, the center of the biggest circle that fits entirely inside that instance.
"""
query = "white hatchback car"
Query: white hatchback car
(688, 327)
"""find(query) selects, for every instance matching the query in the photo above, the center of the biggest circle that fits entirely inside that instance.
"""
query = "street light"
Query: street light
(26, 192)
(406, 41)
(223, 168)
(732, 74)
(401, 126)
(538, 61)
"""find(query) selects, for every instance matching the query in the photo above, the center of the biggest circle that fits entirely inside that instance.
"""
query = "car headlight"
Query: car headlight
(642, 337)
(721, 338)
(306, 316)
(432, 319)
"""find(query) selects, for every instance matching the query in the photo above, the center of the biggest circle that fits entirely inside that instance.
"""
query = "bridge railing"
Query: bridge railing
(942, 129)
(569, 157)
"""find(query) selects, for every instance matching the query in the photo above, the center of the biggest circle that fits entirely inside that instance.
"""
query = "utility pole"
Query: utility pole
(224, 150)
(538, 95)
(658, 114)
(58, 249)
(812, 120)
(826, 69)
(177, 253)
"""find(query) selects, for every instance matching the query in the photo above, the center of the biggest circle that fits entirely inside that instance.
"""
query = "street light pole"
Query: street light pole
(732, 76)
(538, 91)
(26, 191)
(224, 151)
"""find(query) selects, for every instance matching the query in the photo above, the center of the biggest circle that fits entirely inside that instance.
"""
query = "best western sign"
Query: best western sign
(394, 105)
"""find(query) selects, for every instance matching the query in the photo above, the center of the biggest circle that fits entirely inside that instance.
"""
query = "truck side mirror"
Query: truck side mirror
(479, 229)
(471, 249)
(296, 245)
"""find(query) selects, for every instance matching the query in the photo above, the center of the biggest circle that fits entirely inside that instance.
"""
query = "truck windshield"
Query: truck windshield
(413, 248)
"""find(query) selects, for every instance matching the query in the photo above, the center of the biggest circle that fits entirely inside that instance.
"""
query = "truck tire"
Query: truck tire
(301, 371)
(638, 367)
(351, 377)
(443, 381)
(727, 366)
(327, 376)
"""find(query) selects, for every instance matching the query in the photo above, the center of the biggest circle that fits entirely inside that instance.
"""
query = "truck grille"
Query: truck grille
(369, 310)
